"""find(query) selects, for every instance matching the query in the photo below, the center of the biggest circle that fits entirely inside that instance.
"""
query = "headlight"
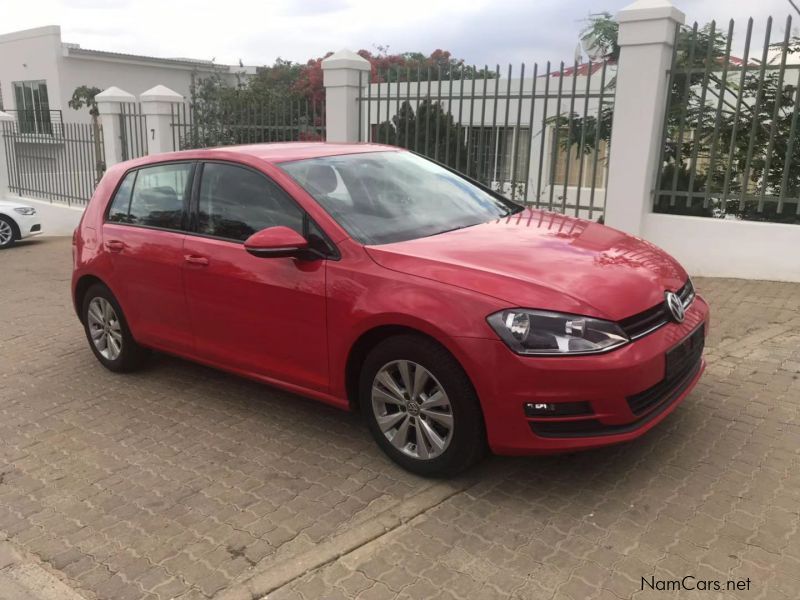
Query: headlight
(25, 210)
(538, 332)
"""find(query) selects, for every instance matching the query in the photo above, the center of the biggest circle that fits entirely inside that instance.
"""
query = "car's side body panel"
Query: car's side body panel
(146, 276)
(265, 315)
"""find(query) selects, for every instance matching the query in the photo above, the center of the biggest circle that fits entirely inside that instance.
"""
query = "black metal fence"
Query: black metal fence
(205, 125)
(730, 147)
(133, 130)
(539, 137)
(38, 121)
(64, 167)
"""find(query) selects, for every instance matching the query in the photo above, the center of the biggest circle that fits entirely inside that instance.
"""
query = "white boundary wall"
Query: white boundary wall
(728, 248)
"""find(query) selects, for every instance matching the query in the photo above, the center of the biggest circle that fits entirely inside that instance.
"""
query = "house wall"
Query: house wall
(727, 248)
(134, 78)
(31, 55)
(39, 54)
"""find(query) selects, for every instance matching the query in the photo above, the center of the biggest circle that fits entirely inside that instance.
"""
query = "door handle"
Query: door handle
(196, 260)
(114, 246)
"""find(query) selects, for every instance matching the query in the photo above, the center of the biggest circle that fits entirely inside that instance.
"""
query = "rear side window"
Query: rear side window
(159, 194)
(120, 205)
(235, 202)
(153, 196)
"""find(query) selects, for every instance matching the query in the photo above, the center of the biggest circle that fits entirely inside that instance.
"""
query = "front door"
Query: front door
(144, 235)
(260, 315)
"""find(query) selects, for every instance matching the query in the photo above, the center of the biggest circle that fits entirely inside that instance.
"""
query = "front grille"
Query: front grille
(682, 364)
(651, 319)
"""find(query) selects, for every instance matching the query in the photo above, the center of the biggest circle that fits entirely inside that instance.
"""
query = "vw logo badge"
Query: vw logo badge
(675, 307)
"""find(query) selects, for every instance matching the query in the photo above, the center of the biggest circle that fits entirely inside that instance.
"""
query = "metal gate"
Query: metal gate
(206, 124)
(540, 137)
(62, 163)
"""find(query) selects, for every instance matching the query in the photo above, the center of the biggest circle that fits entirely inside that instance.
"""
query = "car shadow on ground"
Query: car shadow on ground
(593, 471)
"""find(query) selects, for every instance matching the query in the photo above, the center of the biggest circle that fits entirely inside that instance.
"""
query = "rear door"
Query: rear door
(143, 235)
(260, 315)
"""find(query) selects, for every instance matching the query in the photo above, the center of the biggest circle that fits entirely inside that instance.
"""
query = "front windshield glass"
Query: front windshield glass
(385, 197)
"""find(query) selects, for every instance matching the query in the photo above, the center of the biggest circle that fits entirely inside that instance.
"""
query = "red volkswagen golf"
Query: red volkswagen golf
(368, 277)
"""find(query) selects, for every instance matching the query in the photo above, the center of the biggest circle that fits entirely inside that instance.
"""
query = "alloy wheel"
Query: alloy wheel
(412, 409)
(105, 328)
(6, 233)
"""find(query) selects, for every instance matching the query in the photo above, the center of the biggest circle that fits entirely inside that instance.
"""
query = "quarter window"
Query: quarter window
(155, 196)
(236, 202)
(120, 205)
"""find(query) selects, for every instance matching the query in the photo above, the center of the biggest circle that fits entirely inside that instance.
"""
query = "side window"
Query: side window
(118, 211)
(158, 195)
(236, 202)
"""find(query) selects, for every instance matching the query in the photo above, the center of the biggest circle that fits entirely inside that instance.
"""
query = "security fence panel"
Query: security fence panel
(60, 162)
(730, 146)
(133, 130)
(539, 136)
(210, 124)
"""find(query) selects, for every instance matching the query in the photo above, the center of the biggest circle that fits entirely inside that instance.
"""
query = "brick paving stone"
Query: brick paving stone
(178, 481)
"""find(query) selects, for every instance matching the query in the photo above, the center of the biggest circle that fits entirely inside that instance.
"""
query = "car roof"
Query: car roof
(276, 152)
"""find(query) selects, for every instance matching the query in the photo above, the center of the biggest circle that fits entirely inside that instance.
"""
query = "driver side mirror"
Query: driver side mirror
(276, 242)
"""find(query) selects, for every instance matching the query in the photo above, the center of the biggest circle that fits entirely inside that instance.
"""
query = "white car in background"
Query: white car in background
(17, 221)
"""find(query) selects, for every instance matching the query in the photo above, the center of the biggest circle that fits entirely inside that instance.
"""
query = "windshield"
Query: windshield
(385, 197)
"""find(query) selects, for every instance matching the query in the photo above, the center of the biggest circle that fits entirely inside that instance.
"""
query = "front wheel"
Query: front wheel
(8, 232)
(421, 407)
(107, 331)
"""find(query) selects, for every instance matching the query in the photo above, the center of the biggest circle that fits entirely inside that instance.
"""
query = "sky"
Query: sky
(259, 31)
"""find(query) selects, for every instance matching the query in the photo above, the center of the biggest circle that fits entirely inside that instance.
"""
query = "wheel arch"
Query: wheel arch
(14, 225)
(81, 287)
(369, 339)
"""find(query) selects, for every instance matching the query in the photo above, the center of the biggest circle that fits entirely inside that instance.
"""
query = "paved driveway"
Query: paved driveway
(180, 481)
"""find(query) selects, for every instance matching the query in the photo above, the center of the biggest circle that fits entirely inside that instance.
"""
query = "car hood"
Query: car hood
(543, 260)
(11, 205)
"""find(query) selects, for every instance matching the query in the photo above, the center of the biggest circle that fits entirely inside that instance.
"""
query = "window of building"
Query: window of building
(576, 178)
(492, 153)
(33, 107)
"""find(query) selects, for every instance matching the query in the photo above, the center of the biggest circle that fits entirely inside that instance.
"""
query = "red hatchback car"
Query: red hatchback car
(366, 276)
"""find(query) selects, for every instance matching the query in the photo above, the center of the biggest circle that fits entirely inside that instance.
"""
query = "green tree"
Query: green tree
(430, 131)
(84, 96)
(741, 121)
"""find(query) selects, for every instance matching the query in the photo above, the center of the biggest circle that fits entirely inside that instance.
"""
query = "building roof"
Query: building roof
(76, 50)
(583, 69)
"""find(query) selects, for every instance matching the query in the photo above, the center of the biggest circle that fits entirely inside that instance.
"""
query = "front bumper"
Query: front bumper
(626, 391)
(29, 225)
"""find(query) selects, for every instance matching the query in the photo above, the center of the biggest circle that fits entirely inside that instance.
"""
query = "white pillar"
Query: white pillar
(158, 106)
(109, 105)
(646, 37)
(5, 125)
(340, 76)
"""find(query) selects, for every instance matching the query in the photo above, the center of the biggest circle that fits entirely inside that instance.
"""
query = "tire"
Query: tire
(444, 451)
(107, 331)
(9, 232)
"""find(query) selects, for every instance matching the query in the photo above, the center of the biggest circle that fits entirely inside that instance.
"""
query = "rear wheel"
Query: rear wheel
(421, 407)
(108, 333)
(8, 232)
